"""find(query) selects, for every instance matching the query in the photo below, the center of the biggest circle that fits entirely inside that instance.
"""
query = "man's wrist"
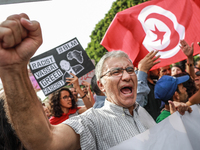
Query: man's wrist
(142, 76)
(12, 70)
(78, 89)
(190, 60)
(189, 64)
(83, 96)
(143, 70)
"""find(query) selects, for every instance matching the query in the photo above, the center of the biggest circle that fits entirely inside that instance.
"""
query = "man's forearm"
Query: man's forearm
(194, 99)
(190, 67)
(142, 89)
(19, 39)
(24, 108)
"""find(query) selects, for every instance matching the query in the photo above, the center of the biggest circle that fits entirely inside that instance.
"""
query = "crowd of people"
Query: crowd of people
(121, 102)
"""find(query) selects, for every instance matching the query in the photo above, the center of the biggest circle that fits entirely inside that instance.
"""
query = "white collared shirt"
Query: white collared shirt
(108, 126)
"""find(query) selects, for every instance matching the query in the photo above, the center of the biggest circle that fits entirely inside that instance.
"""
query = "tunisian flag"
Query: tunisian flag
(155, 25)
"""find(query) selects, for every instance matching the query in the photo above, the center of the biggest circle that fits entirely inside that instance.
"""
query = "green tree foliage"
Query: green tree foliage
(95, 50)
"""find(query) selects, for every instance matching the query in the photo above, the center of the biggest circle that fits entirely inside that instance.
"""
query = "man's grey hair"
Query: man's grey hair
(99, 66)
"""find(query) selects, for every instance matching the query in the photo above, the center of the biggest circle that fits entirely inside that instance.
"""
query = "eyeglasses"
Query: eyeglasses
(119, 72)
(66, 97)
(198, 73)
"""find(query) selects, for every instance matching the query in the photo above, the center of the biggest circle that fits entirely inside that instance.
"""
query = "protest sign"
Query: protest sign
(87, 77)
(176, 132)
(51, 68)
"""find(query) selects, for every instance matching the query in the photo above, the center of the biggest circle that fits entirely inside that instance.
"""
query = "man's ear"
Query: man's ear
(176, 97)
(100, 85)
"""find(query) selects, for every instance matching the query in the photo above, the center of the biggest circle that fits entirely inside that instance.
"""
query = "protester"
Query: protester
(193, 93)
(63, 106)
(197, 63)
(100, 96)
(78, 101)
(148, 101)
(166, 70)
(152, 105)
(94, 129)
(170, 88)
(197, 77)
(176, 69)
(87, 90)
(189, 84)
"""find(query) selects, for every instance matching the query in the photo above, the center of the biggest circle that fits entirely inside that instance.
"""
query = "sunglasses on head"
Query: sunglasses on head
(198, 73)
(196, 67)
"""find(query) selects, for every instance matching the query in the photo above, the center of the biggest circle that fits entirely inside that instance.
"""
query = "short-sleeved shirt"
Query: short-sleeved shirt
(105, 127)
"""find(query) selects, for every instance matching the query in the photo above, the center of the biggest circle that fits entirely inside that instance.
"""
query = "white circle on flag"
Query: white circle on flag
(163, 32)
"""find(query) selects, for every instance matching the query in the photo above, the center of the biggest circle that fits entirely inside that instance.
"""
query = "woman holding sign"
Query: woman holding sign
(63, 105)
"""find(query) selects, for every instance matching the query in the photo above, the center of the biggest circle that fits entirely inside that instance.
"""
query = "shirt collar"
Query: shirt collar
(118, 109)
(100, 98)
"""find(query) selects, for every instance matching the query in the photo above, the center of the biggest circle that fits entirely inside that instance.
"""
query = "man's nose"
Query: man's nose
(125, 75)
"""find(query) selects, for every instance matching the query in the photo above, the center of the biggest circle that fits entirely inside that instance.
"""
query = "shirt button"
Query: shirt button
(122, 114)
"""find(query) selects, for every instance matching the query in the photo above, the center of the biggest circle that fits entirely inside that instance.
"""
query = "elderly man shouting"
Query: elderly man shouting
(121, 118)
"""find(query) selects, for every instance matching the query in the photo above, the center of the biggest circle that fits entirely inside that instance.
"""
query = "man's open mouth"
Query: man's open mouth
(126, 89)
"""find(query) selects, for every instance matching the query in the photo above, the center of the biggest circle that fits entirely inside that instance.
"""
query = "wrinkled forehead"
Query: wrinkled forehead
(113, 62)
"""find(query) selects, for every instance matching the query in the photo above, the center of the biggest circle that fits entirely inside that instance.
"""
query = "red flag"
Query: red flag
(155, 25)
(197, 2)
